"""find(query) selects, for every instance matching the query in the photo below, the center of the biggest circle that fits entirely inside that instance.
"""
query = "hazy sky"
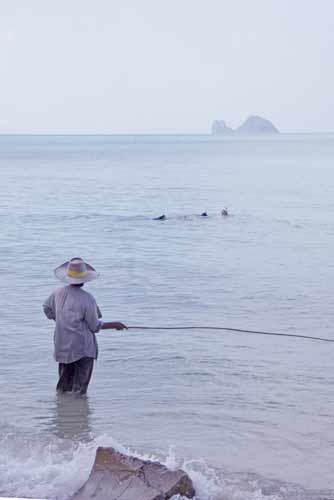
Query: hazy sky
(164, 66)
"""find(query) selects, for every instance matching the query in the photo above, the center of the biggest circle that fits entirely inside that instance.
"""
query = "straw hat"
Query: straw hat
(75, 272)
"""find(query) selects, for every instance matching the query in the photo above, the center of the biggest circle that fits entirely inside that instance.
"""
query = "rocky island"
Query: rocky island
(219, 127)
(253, 125)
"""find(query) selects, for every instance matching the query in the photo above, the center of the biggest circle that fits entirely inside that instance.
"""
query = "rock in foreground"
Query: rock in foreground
(117, 476)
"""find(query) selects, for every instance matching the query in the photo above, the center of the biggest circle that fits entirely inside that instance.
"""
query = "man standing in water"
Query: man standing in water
(77, 318)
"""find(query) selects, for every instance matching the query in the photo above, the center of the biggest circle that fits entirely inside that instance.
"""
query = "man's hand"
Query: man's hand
(119, 326)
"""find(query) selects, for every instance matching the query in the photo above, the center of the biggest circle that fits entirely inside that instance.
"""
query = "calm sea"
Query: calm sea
(249, 417)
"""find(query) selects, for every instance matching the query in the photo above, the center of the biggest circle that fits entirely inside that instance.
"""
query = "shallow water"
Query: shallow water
(249, 416)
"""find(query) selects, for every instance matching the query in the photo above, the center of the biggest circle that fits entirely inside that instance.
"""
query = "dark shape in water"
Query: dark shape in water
(71, 417)
(204, 214)
(224, 212)
(162, 217)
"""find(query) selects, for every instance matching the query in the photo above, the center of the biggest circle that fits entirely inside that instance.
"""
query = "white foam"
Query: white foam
(42, 466)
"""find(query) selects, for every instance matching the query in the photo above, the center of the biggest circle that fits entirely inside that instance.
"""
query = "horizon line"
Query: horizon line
(158, 134)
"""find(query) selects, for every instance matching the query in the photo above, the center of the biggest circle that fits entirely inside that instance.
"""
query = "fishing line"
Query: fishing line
(238, 330)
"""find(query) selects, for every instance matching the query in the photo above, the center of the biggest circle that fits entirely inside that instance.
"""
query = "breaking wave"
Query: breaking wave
(40, 465)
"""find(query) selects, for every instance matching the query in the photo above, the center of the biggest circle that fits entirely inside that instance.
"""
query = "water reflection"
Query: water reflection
(71, 417)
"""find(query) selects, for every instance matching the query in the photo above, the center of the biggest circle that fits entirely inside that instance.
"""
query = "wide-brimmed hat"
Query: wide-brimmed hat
(75, 272)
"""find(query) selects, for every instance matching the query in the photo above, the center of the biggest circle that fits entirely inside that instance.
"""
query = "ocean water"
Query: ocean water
(249, 417)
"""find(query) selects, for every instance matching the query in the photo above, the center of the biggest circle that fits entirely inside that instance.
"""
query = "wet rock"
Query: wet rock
(117, 476)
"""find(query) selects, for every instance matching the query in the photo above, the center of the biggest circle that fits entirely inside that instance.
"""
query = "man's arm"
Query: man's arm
(92, 314)
(49, 308)
(99, 314)
(113, 325)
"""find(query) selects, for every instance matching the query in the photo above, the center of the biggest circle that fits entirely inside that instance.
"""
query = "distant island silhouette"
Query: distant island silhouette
(253, 125)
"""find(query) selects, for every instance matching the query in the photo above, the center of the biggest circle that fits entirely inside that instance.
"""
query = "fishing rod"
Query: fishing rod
(236, 330)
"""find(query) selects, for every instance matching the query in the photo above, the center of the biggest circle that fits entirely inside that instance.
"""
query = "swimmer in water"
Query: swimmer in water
(204, 214)
(162, 217)
(224, 212)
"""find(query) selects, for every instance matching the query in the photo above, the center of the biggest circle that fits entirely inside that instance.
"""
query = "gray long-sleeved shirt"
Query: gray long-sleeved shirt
(77, 320)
